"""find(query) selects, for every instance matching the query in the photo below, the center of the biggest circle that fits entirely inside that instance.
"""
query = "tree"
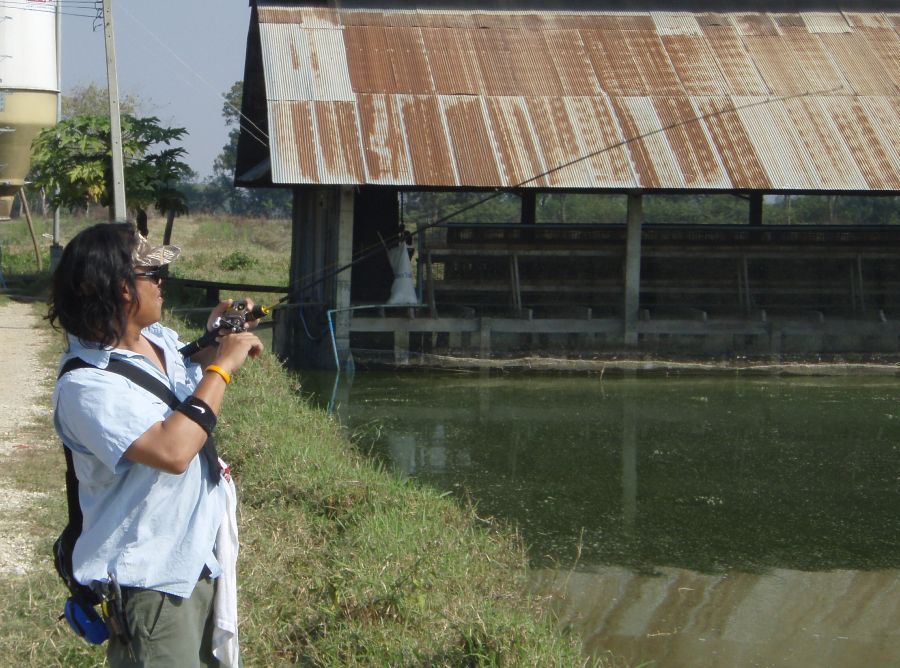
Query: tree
(75, 157)
(93, 100)
(219, 191)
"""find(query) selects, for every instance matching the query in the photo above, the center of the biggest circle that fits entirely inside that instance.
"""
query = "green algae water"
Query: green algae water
(673, 521)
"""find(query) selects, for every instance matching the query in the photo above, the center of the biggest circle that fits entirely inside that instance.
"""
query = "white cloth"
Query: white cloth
(225, 633)
(402, 290)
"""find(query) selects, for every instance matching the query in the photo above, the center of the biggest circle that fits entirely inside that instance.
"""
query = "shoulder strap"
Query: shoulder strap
(132, 373)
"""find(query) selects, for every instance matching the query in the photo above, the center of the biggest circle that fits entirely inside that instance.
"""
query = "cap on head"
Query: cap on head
(147, 255)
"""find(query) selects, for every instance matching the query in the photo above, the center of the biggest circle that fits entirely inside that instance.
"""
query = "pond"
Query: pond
(674, 521)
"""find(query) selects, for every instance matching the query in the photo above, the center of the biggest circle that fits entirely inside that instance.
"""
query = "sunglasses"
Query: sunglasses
(154, 275)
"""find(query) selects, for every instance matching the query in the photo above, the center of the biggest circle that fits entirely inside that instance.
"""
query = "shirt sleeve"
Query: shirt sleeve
(104, 413)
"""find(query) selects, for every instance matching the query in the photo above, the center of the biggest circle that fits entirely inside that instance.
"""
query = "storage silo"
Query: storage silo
(28, 88)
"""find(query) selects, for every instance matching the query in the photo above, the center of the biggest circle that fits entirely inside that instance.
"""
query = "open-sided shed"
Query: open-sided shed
(349, 105)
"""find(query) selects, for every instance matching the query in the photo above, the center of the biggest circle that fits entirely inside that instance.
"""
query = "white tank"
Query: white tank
(28, 87)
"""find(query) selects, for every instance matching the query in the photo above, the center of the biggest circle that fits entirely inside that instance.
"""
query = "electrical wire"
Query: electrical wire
(299, 286)
(262, 137)
(23, 7)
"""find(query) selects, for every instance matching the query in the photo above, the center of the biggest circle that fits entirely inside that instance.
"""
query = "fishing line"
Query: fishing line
(262, 137)
(374, 249)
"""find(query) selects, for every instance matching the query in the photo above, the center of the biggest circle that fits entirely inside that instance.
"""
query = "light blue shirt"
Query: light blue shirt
(149, 528)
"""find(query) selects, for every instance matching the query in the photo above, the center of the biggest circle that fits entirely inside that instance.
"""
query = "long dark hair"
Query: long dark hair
(86, 293)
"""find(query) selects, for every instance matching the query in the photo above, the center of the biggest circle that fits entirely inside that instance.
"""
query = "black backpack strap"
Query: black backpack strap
(145, 380)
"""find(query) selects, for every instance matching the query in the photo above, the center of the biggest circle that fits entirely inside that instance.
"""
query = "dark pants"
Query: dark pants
(166, 630)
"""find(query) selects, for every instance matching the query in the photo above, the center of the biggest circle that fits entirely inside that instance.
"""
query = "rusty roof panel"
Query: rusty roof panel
(775, 141)
(884, 115)
(339, 143)
(305, 17)
(855, 59)
(686, 135)
(327, 67)
(304, 64)
(732, 142)
(536, 72)
(293, 141)
(369, 59)
(401, 18)
(695, 64)
(830, 157)
(515, 142)
(426, 98)
(619, 21)
(453, 61)
(826, 22)
(426, 137)
(600, 142)
(470, 141)
(558, 144)
(408, 61)
(573, 68)
(886, 46)
(675, 23)
(384, 140)
(868, 20)
(737, 67)
(285, 53)
(651, 154)
(613, 63)
(631, 63)
(788, 21)
(653, 63)
(355, 17)
(445, 18)
(864, 142)
(793, 63)
(755, 24)
(497, 60)
(714, 20)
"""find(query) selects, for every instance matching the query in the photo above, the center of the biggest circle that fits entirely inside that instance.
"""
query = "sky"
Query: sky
(179, 56)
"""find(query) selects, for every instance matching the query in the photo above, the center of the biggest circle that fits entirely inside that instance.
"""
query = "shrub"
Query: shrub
(238, 260)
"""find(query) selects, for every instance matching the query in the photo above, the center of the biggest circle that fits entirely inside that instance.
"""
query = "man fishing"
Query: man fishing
(150, 486)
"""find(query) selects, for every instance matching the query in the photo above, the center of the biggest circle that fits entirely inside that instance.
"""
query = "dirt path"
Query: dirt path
(23, 397)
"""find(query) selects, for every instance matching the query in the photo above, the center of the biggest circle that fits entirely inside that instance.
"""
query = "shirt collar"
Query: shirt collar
(98, 355)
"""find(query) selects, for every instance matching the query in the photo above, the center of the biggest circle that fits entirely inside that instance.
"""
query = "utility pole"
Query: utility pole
(55, 247)
(115, 122)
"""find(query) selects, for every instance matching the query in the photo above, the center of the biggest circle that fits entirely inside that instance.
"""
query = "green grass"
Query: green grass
(342, 563)
(346, 564)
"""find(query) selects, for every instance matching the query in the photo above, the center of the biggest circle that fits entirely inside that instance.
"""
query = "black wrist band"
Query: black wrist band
(198, 411)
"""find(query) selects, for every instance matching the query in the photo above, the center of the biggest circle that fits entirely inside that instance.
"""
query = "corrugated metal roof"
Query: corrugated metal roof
(594, 100)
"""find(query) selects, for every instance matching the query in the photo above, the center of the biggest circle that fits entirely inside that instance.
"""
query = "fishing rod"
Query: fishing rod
(299, 286)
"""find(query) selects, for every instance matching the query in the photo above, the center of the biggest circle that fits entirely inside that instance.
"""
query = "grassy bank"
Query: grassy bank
(342, 564)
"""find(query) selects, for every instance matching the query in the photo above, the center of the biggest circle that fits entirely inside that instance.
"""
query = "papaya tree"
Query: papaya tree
(73, 163)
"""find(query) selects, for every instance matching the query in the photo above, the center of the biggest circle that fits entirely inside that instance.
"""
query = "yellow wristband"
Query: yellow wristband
(215, 368)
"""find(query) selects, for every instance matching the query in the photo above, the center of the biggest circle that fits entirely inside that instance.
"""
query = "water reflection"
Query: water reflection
(694, 505)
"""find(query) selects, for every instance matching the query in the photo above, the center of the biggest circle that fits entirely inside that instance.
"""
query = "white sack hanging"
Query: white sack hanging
(403, 292)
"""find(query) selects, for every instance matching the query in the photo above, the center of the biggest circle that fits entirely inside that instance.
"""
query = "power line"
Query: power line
(262, 137)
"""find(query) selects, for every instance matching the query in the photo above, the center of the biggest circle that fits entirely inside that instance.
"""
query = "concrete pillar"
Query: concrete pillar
(344, 257)
(756, 209)
(529, 213)
(632, 269)
(321, 243)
